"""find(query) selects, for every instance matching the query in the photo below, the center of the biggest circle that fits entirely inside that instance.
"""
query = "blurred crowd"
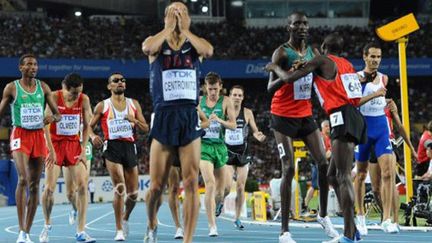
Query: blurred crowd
(121, 38)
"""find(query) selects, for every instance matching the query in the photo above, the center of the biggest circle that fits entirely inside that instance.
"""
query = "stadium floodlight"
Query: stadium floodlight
(194, 1)
(237, 3)
(78, 13)
(204, 9)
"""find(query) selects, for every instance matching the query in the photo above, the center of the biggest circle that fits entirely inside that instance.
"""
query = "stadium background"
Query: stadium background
(98, 37)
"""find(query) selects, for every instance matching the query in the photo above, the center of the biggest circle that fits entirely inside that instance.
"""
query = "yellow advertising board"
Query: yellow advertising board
(260, 206)
(398, 28)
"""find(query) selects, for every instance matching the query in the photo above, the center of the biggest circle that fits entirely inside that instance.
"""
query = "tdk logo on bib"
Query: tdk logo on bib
(180, 74)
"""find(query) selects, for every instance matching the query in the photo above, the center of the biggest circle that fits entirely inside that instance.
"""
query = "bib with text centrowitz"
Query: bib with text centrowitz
(303, 87)
(119, 128)
(69, 125)
(31, 116)
(179, 84)
(352, 85)
(234, 137)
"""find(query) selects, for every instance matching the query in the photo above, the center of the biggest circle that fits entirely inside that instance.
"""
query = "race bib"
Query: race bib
(179, 84)
(303, 88)
(69, 125)
(31, 116)
(336, 119)
(234, 137)
(88, 150)
(213, 131)
(15, 144)
(119, 128)
(352, 85)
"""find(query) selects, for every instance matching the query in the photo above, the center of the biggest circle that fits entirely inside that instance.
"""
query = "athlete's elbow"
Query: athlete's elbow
(208, 52)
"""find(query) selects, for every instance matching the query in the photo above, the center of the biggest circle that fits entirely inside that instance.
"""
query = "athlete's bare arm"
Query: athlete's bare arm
(380, 92)
(202, 46)
(55, 117)
(96, 140)
(7, 97)
(139, 120)
(397, 121)
(228, 107)
(205, 123)
(250, 119)
(279, 57)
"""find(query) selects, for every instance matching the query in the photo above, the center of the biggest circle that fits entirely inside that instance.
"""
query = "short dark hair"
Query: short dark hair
(23, 57)
(429, 126)
(334, 42)
(237, 87)
(299, 13)
(72, 80)
(114, 73)
(369, 46)
(212, 78)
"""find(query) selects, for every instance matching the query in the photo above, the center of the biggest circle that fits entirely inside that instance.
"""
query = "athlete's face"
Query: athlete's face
(213, 90)
(73, 91)
(117, 84)
(373, 58)
(298, 26)
(29, 67)
(236, 96)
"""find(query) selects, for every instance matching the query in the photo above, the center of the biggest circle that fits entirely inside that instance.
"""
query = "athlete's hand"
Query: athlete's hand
(259, 136)
(170, 19)
(97, 141)
(130, 118)
(184, 20)
(83, 159)
(49, 119)
(213, 117)
(426, 176)
(380, 92)
(51, 159)
(297, 64)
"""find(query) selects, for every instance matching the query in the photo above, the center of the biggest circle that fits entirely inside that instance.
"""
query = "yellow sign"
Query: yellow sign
(260, 206)
(398, 28)
(298, 144)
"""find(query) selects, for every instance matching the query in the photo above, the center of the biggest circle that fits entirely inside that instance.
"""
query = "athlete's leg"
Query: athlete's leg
(173, 190)
(208, 175)
(221, 180)
(79, 174)
(396, 201)
(386, 164)
(189, 156)
(242, 173)
(117, 176)
(51, 176)
(160, 162)
(359, 185)
(375, 175)
(131, 180)
(21, 163)
(316, 147)
(71, 189)
(284, 144)
(343, 154)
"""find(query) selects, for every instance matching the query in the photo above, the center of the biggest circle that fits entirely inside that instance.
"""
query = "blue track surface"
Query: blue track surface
(100, 225)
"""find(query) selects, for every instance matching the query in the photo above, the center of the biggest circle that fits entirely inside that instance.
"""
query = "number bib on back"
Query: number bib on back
(68, 125)
(119, 128)
(303, 88)
(234, 137)
(179, 84)
(31, 116)
(352, 85)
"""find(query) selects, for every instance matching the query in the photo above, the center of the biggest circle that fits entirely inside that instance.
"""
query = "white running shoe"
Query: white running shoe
(72, 217)
(327, 226)
(43, 237)
(361, 225)
(151, 236)
(125, 226)
(286, 238)
(213, 231)
(21, 237)
(119, 236)
(334, 240)
(84, 237)
(179, 233)
(388, 227)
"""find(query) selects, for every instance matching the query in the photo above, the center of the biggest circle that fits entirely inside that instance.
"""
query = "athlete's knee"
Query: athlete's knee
(190, 183)
(343, 178)
(361, 175)
(22, 182)
(133, 196)
(288, 170)
(120, 189)
(34, 187)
